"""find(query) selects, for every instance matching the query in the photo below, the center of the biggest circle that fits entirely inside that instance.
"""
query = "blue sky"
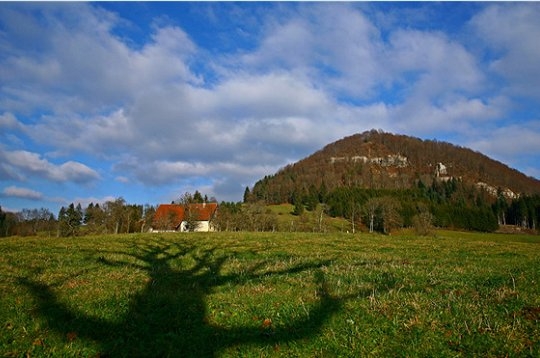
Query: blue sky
(146, 100)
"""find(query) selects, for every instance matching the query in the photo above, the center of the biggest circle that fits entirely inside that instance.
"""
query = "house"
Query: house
(175, 217)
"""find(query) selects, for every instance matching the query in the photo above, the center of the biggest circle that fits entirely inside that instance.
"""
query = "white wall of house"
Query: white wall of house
(203, 226)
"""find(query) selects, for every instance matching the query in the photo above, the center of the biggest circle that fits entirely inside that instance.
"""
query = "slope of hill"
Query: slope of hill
(378, 160)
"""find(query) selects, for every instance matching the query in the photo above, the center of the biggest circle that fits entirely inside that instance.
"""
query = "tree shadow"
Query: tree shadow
(169, 316)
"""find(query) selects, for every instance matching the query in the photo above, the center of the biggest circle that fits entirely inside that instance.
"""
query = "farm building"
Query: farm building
(191, 217)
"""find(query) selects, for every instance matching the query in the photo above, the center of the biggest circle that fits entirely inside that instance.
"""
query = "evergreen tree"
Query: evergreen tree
(197, 197)
(247, 195)
(88, 213)
(311, 198)
(94, 218)
(70, 220)
(298, 206)
(323, 193)
(500, 207)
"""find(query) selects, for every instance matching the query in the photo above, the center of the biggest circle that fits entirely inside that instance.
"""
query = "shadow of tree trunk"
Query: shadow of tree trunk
(169, 316)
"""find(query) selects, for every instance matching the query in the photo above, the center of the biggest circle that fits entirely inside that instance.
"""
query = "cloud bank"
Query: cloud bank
(86, 101)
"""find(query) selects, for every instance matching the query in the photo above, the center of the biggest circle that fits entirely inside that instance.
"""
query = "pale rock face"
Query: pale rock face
(391, 160)
(440, 170)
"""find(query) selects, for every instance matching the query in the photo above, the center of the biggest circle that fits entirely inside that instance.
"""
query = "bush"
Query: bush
(423, 224)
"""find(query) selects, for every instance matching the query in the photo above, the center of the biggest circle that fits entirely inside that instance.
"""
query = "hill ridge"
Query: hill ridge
(380, 160)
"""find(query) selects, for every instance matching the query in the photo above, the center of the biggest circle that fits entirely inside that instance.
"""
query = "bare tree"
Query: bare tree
(191, 212)
(320, 213)
(391, 218)
(115, 214)
(370, 211)
(383, 214)
(355, 215)
(149, 213)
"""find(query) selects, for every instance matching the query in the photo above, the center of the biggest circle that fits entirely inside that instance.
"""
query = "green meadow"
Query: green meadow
(271, 295)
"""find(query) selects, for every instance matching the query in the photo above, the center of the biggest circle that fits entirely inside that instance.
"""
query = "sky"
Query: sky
(146, 101)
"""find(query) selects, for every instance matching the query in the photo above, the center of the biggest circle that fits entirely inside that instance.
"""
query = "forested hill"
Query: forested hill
(378, 160)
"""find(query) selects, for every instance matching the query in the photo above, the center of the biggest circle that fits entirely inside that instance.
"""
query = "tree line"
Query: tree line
(111, 217)
(27, 222)
(448, 204)
(443, 203)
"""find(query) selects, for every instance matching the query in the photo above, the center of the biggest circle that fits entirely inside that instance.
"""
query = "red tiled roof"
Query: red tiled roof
(172, 215)
(204, 211)
(168, 216)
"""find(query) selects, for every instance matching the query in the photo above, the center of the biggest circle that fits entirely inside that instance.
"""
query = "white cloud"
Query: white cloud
(81, 65)
(510, 141)
(101, 135)
(286, 45)
(269, 95)
(73, 171)
(455, 115)
(122, 179)
(24, 163)
(24, 193)
(318, 72)
(353, 47)
(71, 57)
(511, 32)
(162, 61)
(429, 65)
(163, 172)
(334, 46)
(248, 118)
(193, 124)
(8, 121)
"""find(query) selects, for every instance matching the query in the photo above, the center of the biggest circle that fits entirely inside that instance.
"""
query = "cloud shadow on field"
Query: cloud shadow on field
(169, 316)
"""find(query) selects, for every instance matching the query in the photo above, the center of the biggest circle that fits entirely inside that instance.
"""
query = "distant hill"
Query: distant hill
(378, 160)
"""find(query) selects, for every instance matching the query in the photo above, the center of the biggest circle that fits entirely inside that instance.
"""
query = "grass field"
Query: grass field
(271, 294)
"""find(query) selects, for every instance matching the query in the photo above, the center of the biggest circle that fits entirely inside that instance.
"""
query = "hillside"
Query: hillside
(378, 160)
